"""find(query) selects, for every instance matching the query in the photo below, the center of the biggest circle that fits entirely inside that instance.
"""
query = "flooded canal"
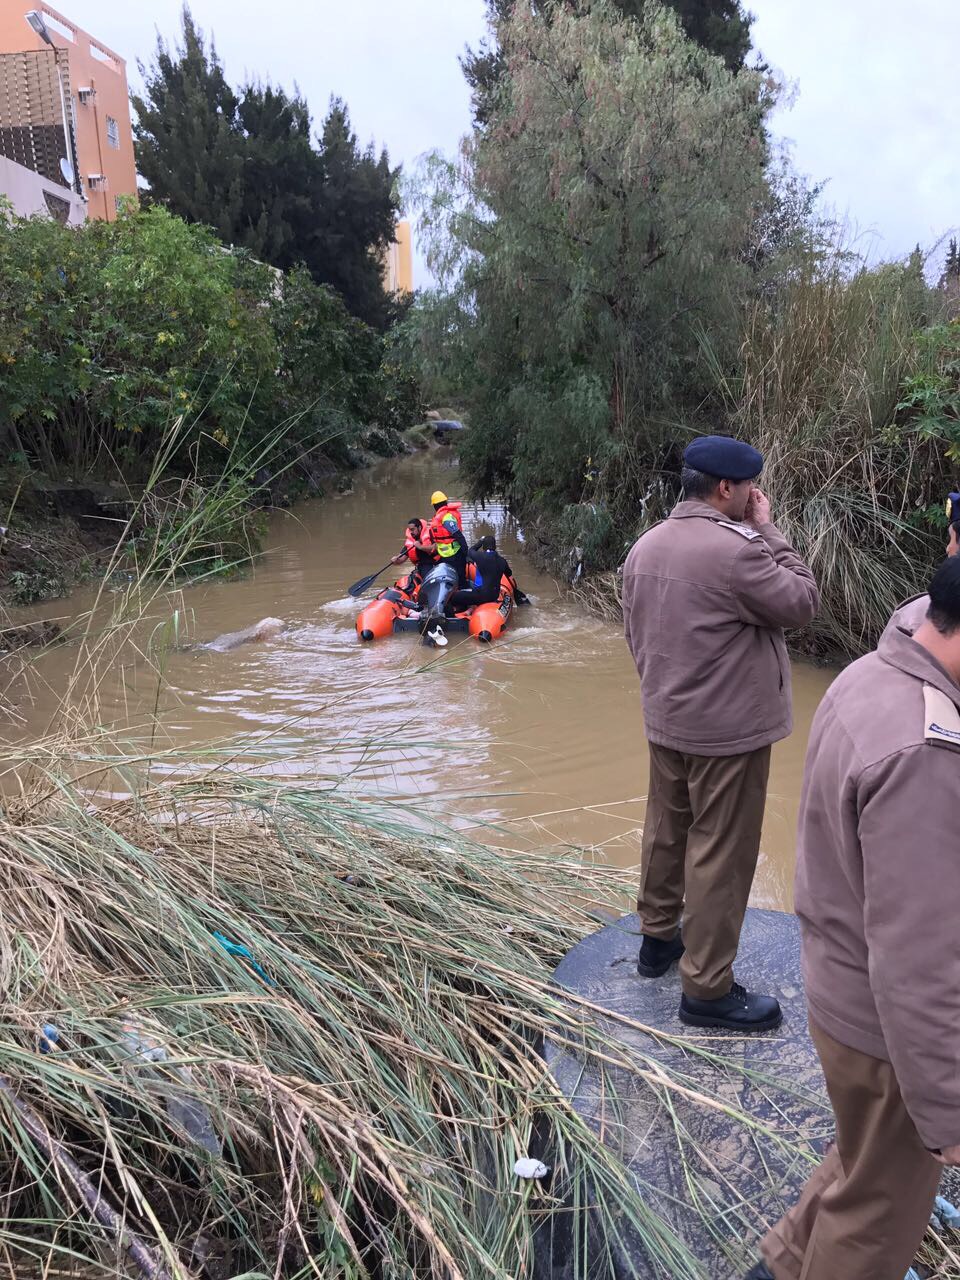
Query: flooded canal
(539, 736)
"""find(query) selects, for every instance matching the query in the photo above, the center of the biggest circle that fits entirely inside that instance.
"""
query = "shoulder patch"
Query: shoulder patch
(941, 717)
(744, 530)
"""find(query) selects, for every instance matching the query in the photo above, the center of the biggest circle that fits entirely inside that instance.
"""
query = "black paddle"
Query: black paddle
(358, 588)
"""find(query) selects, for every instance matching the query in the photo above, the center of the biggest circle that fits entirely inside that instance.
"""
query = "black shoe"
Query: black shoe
(740, 1010)
(657, 955)
(760, 1272)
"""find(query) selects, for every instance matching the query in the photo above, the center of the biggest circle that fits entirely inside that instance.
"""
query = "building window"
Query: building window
(113, 133)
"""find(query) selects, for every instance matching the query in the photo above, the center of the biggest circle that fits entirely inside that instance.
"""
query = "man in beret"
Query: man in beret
(706, 595)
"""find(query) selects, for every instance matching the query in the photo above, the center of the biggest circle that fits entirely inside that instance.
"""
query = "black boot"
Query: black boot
(657, 955)
(739, 1010)
(760, 1272)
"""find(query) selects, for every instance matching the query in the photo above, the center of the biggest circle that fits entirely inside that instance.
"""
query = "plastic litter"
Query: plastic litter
(911, 1275)
(529, 1168)
(186, 1112)
(241, 952)
(438, 638)
(49, 1038)
(947, 1214)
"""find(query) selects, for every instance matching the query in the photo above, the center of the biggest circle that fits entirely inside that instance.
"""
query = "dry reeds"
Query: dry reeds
(823, 371)
(345, 1097)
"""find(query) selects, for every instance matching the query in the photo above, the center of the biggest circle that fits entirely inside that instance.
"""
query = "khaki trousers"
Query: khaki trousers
(701, 838)
(863, 1213)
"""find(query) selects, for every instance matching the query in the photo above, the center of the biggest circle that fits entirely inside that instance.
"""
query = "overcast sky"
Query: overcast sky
(874, 96)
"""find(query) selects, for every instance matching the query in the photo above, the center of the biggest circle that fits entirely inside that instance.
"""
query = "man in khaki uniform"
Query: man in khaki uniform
(878, 896)
(706, 595)
(913, 613)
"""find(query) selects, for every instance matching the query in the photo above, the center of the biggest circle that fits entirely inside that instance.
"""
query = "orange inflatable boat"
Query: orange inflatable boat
(412, 605)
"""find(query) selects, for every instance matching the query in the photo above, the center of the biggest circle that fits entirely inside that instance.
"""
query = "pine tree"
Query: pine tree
(951, 271)
(247, 165)
(720, 26)
(188, 146)
(356, 216)
(282, 175)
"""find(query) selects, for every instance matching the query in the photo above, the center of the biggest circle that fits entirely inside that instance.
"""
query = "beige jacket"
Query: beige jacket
(878, 874)
(705, 601)
(909, 616)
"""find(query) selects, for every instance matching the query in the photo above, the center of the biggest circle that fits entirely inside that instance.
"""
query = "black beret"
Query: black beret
(723, 457)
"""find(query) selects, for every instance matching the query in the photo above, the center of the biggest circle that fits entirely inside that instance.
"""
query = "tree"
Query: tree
(355, 216)
(188, 146)
(720, 26)
(951, 270)
(281, 175)
(600, 226)
(246, 164)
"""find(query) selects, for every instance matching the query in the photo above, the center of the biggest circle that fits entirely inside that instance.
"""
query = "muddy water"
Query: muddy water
(539, 736)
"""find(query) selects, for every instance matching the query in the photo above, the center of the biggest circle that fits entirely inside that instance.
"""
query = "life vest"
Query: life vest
(411, 546)
(445, 540)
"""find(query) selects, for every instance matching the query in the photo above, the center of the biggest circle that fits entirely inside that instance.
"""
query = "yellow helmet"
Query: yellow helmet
(438, 498)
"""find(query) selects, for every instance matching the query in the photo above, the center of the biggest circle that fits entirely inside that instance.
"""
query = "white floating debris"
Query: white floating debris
(527, 1168)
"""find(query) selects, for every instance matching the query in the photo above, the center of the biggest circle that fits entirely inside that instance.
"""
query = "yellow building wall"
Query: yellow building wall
(398, 267)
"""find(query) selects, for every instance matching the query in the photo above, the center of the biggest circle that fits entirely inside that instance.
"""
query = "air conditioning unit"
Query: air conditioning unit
(97, 181)
(87, 94)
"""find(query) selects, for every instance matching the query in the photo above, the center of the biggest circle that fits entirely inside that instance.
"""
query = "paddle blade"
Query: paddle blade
(360, 587)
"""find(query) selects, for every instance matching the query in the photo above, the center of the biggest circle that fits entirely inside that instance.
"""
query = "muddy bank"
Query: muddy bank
(60, 533)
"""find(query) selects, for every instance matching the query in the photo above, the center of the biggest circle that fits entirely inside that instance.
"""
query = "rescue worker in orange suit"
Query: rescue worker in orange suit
(446, 533)
(491, 569)
(418, 547)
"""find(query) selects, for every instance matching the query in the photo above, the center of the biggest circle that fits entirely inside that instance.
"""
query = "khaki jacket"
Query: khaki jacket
(878, 874)
(909, 616)
(705, 601)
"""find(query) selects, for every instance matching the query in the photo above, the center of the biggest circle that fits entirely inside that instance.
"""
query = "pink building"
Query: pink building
(64, 107)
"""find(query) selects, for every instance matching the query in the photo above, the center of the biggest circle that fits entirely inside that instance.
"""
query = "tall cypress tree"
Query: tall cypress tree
(282, 174)
(355, 216)
(720, 26)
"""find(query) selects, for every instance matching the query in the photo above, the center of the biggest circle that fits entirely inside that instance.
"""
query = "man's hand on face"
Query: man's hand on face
(758, 509)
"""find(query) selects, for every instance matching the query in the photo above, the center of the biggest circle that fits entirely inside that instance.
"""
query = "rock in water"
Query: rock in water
(265, 629)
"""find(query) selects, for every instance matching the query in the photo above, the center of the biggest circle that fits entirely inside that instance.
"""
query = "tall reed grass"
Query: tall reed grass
(850, 479)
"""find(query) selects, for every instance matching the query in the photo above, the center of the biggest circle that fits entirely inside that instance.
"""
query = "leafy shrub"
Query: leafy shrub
(110, 331)
(28, 587)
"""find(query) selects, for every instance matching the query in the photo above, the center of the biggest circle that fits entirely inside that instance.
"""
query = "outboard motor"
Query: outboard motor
(435, 590)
